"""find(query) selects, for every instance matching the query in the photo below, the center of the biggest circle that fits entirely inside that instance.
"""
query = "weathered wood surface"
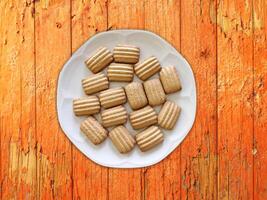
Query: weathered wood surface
(86, 174)
(18, 105)
(225, 153)
(235, 99)
(198, 45)
(260, 98)
(52, 49)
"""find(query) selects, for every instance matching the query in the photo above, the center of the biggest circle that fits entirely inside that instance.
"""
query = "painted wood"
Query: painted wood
(90, 181)
(53, 48)
(17, 107)
(198, 45)
(260, 98)
(224, 155)
(235, 99)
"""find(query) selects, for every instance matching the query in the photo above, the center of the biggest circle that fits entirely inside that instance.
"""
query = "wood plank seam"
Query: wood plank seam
(259, 150)
(180, 46)
(217, 150)
(17, 117)
(35, 96)
(253, 96)
(72, 146)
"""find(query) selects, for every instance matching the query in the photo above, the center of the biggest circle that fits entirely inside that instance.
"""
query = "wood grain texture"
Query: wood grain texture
(17, 94)
(260, 99)
(53, 48)
(126, 183)
(162, 181)
(223, 157)
(198, 45)
(235, 99)
(90, 181)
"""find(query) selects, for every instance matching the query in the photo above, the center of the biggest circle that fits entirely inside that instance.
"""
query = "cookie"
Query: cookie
(154, 92)
(136, 95)
(120, 72)
(86, 106)
(122, 139)
(93, 130)
(143, 118)
(114, 116)
(168, 115)
(126, 54)
(170, 79)
(147, 68)
(149, 138)
(99, 60)
(95, 83)
(112, 97)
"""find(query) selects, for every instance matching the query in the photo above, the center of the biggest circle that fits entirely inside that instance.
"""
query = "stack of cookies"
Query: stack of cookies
(142, 97)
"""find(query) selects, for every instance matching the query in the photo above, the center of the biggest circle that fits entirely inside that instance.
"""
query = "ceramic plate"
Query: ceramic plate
(69, 88)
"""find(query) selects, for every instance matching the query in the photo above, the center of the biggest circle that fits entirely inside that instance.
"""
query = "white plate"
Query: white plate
(69, 87)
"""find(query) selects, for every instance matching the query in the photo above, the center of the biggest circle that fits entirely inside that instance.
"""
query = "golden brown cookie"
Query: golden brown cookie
(93, 130)
(120, 72)
(154, 92)
(170, 79)
(126, 54)
(112, 97)
(143, 118)
(147, 68)
(149, 138)
(99, 60)
(168, 115)
(95, 83)
(114, 116)
(86, 106)
(136, 95)
(122, 139)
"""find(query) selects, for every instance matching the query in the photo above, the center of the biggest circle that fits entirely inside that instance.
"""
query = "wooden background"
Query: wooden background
(223, 157)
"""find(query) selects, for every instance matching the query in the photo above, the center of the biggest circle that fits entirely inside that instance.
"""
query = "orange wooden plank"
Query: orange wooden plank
(53, 48)
(17, 107)
(235, 100)
(125, 183)
(125, 14)
(89, 179)
(260, 99)
(198, 151)
(162, 181)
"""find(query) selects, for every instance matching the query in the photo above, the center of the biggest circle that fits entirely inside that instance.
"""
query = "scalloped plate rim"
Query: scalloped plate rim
(125, 164)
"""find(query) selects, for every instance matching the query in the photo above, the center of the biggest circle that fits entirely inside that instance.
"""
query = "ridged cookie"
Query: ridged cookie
(86, 106)
(170, 79)
(168, 115)
(112, 97)
(99, 60)
(136, 95)
(114, 116)
(120, 72)
(122, 139)
(95, 83)
(143, 118)
(126, 54)
(154, 92)
(147, 68)
(93, 130)
(149, 138)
